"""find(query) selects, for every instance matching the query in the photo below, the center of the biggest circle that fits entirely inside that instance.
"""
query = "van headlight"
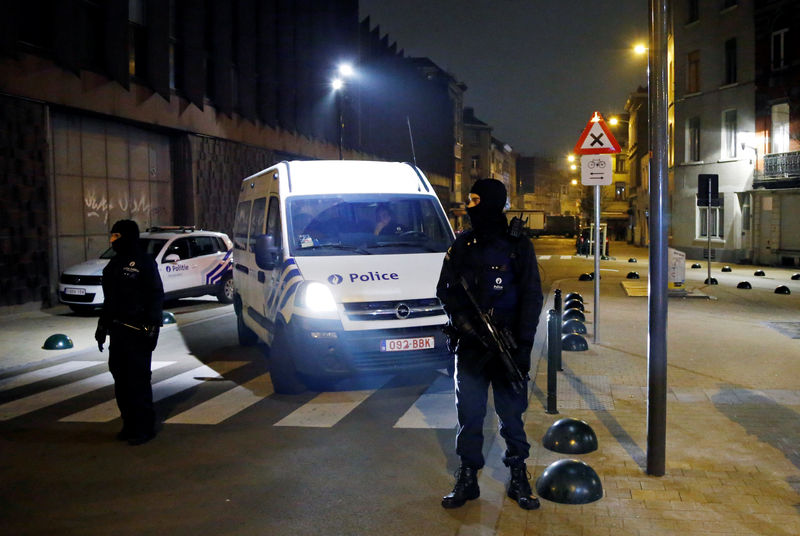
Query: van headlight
(316, 297)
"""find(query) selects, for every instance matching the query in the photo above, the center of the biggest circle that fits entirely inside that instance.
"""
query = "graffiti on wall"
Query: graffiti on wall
(99, 206)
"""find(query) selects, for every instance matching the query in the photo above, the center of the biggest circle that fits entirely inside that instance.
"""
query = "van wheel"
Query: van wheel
(226, 290)
(284, 375)
(247, 337)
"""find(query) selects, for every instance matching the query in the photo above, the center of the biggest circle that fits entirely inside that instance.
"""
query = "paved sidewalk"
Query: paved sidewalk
(733, 416)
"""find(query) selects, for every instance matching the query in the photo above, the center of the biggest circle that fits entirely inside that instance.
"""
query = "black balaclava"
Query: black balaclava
(487, 216)
(129, 236)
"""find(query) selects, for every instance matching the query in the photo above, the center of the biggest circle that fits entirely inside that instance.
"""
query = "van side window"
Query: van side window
(256, 221)
(274, 221)
(240, 225)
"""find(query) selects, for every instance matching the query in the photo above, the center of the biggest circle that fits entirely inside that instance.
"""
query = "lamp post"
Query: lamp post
(345, 71)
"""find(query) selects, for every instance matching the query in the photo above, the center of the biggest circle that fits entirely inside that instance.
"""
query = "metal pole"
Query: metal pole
(708, 230)
(553, 349)
(596, 314)
(660, 22)
(341, 121)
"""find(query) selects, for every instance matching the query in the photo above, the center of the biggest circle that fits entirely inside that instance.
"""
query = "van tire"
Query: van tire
(226, 290)
(247, 337)
(283, 372)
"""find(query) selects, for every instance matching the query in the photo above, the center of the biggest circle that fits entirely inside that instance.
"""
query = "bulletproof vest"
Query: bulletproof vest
(495, 278)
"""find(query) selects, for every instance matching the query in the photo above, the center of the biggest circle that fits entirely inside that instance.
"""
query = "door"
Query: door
(181, 273)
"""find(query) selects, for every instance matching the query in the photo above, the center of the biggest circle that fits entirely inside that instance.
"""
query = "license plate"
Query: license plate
(75, 291)
(403, 345)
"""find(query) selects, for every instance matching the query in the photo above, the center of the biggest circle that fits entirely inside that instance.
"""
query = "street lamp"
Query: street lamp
(640, 49)
(345, 70)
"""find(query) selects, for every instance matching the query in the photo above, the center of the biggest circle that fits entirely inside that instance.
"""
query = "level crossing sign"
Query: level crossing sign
(597, 138)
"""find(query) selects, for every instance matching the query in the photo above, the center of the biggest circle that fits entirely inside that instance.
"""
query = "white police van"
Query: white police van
(335, 269)
(191, 262)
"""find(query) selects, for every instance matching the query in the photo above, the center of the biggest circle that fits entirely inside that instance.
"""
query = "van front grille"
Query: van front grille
(393, 310)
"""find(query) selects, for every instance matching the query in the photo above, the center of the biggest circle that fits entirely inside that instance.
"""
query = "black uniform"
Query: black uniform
(503, 276)
(131, 315)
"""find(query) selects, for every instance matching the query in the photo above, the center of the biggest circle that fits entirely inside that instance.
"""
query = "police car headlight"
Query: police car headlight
(317, 297)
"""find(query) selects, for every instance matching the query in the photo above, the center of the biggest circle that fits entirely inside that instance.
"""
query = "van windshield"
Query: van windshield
(366, 224)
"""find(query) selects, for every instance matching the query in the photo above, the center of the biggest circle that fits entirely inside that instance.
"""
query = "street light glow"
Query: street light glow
(346, 70)
(574, 182)
(639, 48)
(573, 167)
(337, 84)
(571, 158)
(613, 121)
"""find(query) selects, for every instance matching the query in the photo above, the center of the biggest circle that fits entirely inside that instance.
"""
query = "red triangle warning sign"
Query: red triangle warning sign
(597, 138)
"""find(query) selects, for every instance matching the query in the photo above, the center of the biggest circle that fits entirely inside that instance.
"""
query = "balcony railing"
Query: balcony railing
(782, 165)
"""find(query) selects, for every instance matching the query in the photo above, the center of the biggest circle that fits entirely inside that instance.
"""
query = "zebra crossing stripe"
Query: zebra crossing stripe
(566, 257)
(45, 373)
(544, 257)
(227, 404)
(435, 409)
(43, 399)
(107, 411)
(328, 408)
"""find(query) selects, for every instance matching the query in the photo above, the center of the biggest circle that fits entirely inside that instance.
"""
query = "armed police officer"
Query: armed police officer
(490, 272)
(131, 316)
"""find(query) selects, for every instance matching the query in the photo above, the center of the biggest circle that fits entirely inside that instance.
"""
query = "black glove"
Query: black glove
(522, 355)
(100, 335)
(151, 334)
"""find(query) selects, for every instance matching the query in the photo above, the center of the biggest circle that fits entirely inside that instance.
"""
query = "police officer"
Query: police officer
(501, 273)
(131, 315)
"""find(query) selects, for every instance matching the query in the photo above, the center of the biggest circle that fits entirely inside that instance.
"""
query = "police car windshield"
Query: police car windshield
(366, 223)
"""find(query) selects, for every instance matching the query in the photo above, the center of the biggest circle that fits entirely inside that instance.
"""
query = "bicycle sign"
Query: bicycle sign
(596, 170)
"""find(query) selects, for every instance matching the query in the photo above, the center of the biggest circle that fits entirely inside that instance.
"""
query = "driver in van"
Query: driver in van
(386, 223)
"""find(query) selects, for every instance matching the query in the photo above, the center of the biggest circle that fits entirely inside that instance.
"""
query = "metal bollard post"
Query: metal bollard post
(557, 302)
(553, 348)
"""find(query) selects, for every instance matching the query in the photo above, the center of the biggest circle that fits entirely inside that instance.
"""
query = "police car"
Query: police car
(191, 263)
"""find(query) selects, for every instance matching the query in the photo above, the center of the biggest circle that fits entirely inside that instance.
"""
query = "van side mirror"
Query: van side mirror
(267, 254)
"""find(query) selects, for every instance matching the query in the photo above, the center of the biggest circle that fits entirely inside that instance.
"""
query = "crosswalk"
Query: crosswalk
(562, 257)
(65, 382)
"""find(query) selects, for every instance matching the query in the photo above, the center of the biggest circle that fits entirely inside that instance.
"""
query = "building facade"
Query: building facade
(155, 110)
(714, 126)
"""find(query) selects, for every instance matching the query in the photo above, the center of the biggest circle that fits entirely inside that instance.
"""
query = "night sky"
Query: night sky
(535, 69)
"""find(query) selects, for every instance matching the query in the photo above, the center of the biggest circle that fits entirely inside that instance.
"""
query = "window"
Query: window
(620, 166)
(274, 221)
(730, 61)
(240, 225)
(137, 38)
(476, 165)
(779, 134)
(693, 139)
(729, 134)
(619, 191)
(179, 247)
(693, 72)
(746, 199)
(202, 245)
(778, 49)
(257, 221)
(717, 221)
(693, 10)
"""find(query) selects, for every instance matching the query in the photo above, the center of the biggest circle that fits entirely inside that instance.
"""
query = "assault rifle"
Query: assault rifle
(499, 341)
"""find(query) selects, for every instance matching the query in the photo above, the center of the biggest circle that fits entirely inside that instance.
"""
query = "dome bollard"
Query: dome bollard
(783, 289)
(696, 265)
(570, 436)
(58, 341)
(633, 275)
(632, 259)
(759, 273)
(573, 314)
(569, 482)
(573, 296)
(574, 304)
(796, 277)
(574, 343)
(726, 268)
(168, 318)
(744, 285)
(573, 326)
(586, 277)
(711, 281)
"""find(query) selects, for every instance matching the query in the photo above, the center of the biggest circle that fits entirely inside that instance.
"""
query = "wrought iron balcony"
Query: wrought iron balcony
(781, 170)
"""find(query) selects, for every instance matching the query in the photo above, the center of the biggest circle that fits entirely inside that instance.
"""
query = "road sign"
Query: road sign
(708, 190)
(596, 170)
(597, 138)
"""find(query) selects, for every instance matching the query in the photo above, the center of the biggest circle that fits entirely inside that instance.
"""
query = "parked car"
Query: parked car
(191, 263)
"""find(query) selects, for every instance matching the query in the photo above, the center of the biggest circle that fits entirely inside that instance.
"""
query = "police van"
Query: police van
(335, 270)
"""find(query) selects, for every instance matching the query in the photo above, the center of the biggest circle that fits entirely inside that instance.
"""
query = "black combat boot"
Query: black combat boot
(466, 488)
(519, 488)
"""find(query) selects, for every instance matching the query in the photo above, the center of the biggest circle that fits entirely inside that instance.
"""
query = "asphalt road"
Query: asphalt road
(371, 456)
